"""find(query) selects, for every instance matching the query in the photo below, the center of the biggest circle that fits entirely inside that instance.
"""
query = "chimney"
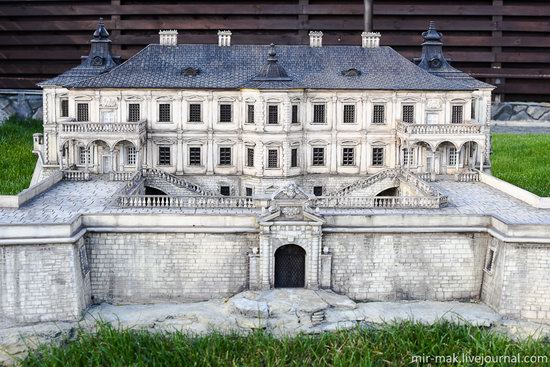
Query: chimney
(370, 39)
(368, 16)
(315, 39)
(224, 38)
(168, 37)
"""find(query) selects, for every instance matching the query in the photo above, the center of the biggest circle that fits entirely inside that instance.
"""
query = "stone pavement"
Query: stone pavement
(68, 199)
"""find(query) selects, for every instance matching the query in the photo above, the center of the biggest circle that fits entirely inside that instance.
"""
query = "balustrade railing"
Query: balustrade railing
(424, 129)
(426, 176)
(74, 175)
(103, 127)
(175, 180)
(468, 176)
(376, 202)
(165, 201)
(121, 176)
(367, 182)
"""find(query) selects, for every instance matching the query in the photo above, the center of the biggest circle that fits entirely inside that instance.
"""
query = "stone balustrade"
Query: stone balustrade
(75, 175)
(165, 201)
(178, 181)
(367, 182)
(121, 176)
(360, 202)
(440, 129)
(467, 176)
(103, 127)
(426, 176)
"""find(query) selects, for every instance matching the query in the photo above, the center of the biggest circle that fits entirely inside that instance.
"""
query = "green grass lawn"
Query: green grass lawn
(523, 160)
(16, 158)
(389, 345)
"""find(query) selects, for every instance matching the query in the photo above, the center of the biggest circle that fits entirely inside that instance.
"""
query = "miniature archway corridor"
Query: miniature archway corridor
(290, 267)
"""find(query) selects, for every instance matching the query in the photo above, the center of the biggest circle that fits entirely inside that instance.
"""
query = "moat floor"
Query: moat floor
(68, 199)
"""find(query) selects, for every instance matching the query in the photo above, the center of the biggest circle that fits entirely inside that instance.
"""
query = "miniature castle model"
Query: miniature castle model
(191, 172)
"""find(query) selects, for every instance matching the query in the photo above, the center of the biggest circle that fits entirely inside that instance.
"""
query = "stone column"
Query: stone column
(265, 257)
(315, 257)
(254, 271)
(179, 153)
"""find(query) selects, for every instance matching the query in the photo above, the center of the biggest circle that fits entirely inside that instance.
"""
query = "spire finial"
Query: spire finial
(432, 35)
(101, 32)
(272, 54)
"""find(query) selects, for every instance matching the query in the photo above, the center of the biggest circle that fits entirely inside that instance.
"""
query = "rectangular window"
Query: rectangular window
(65, 108)
(490, 259)
(225, 156)
(318, 156)
(295, 119)
(408, 156)
(164, 156)
(82, 153)
(225, 113)
(272, 158)
(473, 109)
(273, 115)
(250, 157)
(318, 190)
(349, 113)
(133, 112)
(408, 113)
(194, 156)
(378, 156)
(164, 112)
(250, 114)
(379, 114)
(453, 156)
(319, 114)
(130, 156)
(348, 156)
(457, 115)
(82, 112)
(195, 114)
(225, 190)
(294, 157)
(248, 191)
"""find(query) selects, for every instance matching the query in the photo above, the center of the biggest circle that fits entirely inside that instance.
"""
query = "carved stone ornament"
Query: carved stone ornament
(98, 61)
(290, 191)
(291, 211)
(108, 102)
(433, 104)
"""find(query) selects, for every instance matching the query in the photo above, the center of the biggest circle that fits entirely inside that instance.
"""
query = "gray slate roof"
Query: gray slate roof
(236, 67)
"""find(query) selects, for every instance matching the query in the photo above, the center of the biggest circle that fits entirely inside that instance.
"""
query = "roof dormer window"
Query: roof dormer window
(351, 72)
(190, 71)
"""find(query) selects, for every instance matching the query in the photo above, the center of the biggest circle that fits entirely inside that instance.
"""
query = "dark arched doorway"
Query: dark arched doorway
(290, 267)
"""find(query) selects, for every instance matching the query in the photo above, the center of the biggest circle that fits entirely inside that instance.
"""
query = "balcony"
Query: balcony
(467, 128)
(77, 128)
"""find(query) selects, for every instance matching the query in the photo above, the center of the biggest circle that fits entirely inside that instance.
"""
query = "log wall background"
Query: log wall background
(505, 42)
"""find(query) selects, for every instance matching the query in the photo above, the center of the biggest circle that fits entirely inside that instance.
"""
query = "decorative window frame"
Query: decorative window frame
(318, 144)
(223, 101)
(348, 144)
(199, 145)
(271, 104)
(225, 144)
(171, 104)
(378, 101)
(378, 144)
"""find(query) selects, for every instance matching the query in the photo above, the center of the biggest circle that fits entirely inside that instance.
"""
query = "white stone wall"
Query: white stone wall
(42, 282)
(389, 267)
(168, 267)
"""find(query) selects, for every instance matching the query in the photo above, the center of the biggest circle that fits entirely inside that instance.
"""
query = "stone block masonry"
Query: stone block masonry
(407, 266)
(21, 103)
(168, 267)
(43, 282)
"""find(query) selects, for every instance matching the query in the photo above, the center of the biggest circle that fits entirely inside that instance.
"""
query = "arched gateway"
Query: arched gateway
(290, 267)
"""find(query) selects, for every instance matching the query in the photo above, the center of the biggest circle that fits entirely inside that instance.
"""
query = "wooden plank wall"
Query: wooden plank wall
(504, 42)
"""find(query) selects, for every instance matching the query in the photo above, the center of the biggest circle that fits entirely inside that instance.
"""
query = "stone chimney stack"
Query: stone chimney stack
(224, 38)
(168, 37)
(315, 39)
(370, 39)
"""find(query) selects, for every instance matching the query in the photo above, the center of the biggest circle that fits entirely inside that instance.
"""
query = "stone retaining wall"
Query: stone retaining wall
(521, 111)
(20, 102)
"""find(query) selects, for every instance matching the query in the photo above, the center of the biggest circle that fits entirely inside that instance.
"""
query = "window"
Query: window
(225, 190)
(131, 156)
(250, 114)
(348, 156)
(272, 158)
(248, 191)
(133, 112)
(273, 114)
(294, 157)
(225, 113)
(457, 115)
(379, 114)
(408, 113)
(453, 156)
(82, 154)
(250, 157)
(490, 259)
(318, 156)
(194, 156)
(349, 113)
(473, 104)
(377, 156)
(164, 112)
(225, 156)
(408, 156)
(318, 190)
(295, 118)
(319, 114)
(65, 107)
(195, 112)
(164, 156)
(82, 112)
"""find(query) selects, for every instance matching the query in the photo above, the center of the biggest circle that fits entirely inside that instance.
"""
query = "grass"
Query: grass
(523, 160)
(16, 158)
(388, 345)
